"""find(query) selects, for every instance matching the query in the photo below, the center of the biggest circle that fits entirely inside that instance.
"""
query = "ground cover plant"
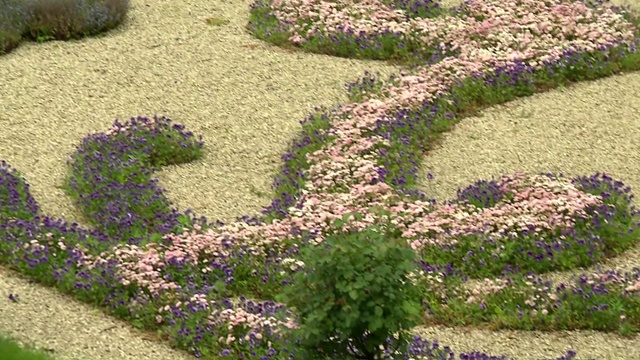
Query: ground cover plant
(10, 350)
(43, 20)
(349, 177)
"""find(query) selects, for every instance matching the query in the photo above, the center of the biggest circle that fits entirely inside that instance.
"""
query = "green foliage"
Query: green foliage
(11, 350)
(354, 293)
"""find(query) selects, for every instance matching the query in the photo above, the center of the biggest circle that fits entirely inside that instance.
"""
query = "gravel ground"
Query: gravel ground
(246, 97)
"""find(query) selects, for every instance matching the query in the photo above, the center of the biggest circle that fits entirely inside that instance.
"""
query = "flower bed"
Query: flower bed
(352, 167)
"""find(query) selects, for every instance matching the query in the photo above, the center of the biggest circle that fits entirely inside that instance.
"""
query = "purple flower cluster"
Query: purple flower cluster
(15, 199)
(51, 250)
(111, 178)
(483, 194)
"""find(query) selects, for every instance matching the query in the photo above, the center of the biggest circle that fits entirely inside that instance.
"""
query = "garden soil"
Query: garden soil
(246, 97)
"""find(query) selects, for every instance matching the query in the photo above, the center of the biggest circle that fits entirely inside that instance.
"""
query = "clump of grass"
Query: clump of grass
(216, 21)
(72, 19)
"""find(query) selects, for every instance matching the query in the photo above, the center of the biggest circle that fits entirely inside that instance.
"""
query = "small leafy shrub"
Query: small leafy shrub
(12, 24)
(73, 19)
(354, 295)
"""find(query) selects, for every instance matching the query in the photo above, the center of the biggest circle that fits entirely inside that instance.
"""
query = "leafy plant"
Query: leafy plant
(354, 295)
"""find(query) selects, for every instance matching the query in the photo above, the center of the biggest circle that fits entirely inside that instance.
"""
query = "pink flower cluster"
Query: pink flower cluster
(491, 32)
(538, 201)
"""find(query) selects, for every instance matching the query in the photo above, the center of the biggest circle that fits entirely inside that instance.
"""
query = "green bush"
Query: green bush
(354, 295)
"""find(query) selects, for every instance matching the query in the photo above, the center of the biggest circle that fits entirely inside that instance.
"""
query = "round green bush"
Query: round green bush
(354, 294)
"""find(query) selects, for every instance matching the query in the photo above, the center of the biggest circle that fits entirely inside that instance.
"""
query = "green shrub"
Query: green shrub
(354, 296)
(12, 350)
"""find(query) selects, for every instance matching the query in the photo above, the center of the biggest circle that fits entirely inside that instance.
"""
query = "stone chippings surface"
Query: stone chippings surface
(246, 98)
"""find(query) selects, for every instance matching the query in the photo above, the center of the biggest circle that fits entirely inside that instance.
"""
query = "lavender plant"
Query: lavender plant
(43, 20)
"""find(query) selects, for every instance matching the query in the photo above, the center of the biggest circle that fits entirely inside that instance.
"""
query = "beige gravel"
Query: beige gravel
(246, 97)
